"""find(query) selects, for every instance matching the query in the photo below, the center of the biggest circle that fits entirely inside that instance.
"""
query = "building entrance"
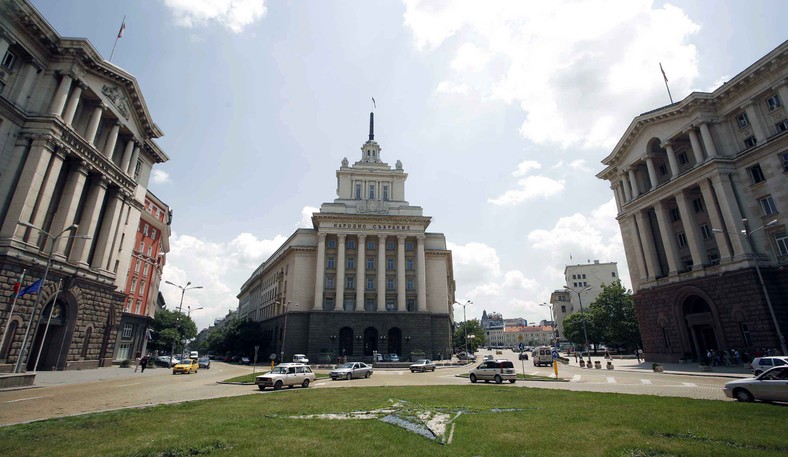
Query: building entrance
(700, 327)
(49, 341)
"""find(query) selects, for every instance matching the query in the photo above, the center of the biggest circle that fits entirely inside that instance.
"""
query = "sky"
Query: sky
(500, 111)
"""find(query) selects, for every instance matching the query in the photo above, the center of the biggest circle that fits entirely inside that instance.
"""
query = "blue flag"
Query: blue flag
(31, 289)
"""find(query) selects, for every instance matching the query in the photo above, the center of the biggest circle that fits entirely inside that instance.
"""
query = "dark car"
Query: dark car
(205, 362)
(523, 356)
(245, 361)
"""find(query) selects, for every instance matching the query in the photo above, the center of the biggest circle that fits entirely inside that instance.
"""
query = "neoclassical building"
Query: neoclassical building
(701, 190)
(366, 278)
(76, 152)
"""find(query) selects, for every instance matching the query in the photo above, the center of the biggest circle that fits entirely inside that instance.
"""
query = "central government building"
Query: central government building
(367, 278)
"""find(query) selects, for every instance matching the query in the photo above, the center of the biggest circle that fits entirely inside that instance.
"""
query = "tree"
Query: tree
(613, 314)
(165, 330)
(475, 335)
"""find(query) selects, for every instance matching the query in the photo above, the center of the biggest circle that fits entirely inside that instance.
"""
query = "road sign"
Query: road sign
(555, 354)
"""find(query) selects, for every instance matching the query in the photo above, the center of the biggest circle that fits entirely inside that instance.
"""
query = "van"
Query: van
(542, 355)
(300, 358)
(194, 355)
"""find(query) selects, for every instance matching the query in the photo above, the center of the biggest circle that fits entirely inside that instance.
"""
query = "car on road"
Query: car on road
(523, 356)
(422, 365)
(186, 366)
(286, 374)
(488, 357)
(494, 370)
(761, 364)
(300, 358)
(466, 356)
(204, 362)
(165, 361)
(543, 355)
(244, 361)
(351, 370)
(771, 385)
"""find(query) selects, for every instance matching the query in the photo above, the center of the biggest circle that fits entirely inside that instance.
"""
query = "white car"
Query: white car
(351, 370)
(771, 385)
(300, 358)
(286, 374)
(422, 365)
(761, 364)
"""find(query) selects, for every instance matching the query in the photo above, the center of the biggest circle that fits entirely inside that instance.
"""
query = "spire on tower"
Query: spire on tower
(371, 126)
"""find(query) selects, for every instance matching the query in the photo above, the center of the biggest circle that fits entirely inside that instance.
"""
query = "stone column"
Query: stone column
(730, 213)
(627, 191)
(782, 91)
(674, 164)
(690, 223)
(88, 222)
(647, 242)
(59, 99)
(708, 141)
(124, 162)
(340, 290)
(401, 303)
(69, 201)
(103, 252)
(652, 172)
(112, 139)
(93, 125)
(633, 182)
(421, 274)
(320, 271)
(133, 162)
(73, 102)
(28, 77)
(668, 238)
(361, 269)
(4, 44)
(381, 273)
(715, 219)
(615, 188)
(47, 190)
(26, 192)
(697, 150)
(755, 121)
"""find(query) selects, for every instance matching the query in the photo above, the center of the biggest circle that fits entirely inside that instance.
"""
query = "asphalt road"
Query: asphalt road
(71, 393)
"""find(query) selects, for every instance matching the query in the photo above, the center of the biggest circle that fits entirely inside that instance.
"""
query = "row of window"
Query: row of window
(780, 239)
(391, 264)
(772, 103)
(579, 284)
(370, 304)
(331, 243)
(350, 283)
(148, 231)
(371, 189)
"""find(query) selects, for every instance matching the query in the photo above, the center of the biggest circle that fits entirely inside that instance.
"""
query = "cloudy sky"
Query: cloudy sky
(500, 112)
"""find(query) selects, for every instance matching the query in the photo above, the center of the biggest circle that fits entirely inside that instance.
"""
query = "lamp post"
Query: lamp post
(746, 233)
(552, 321)
(52, 242)
(465, 322)
(585, 332)
(180, 308)
(189, 310)
(284, 335)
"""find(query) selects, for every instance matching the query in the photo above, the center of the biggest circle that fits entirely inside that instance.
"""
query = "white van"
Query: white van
(194, 355)
(542, 355)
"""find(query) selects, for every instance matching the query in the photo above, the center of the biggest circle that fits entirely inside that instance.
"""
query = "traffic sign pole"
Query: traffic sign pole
(555, 362)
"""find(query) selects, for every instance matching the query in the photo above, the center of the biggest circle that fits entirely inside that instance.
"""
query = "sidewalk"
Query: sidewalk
(687, 369)
(59, 378)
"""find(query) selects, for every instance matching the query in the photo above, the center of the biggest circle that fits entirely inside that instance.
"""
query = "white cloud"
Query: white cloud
(451, 87)
(160, 177)
(524, 167)
(306, 217)
(529, 188)
(580, 71)
(233, 14)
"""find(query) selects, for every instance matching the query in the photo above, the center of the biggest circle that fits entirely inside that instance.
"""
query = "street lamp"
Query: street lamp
(284, 335)
(189, 309)
(52, 242)
(180, 308)
(746, 233)
(552, 321)
(585, 332)
(465, 321)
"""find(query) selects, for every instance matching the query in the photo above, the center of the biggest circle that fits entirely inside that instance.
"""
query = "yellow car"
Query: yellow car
(186, 366)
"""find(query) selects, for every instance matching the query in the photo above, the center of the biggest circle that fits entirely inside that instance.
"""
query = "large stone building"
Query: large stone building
(367, 278)
(583, 285)
(76, 152)
(700, 185)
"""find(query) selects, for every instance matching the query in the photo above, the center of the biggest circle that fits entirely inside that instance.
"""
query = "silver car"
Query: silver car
(771, 385)
(422, 365)
(351, 370)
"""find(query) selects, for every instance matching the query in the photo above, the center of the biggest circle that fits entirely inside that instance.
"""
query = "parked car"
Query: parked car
(488, 357)
(204, 362)
(771, 385)
(523, 356)
(186, 366)
(245, 360)
(300, 358)
(494, 370)
(286, 374)
(351, 370)
(165, 361)
(761, 364)
(387, 358)
(466, 356)
(422, 365)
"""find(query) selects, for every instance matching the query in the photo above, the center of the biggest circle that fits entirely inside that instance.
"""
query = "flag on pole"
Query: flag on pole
(122, 27)
(31, 289)
(663, 72)
(373, 102)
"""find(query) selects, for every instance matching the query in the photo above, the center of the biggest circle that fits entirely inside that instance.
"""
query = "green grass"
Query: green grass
(543, 422)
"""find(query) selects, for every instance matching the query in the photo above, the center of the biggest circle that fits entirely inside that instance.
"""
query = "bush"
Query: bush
(416, 354)
(125, 363)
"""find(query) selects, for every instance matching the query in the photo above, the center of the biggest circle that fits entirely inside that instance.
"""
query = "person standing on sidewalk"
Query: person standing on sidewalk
(144, 363)
(640, 355)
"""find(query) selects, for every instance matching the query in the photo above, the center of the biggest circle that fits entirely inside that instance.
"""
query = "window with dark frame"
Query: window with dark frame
(773, 102)
(742, 120)
(756, 174)
(750, 141)
(767, 205)
(682, 239)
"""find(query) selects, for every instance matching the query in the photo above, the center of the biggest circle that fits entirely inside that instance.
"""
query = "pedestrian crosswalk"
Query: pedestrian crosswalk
(594, 378)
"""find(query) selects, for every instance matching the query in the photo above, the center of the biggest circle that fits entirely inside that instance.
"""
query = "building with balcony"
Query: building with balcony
(76, 152)
(366, 278)
(701, 189)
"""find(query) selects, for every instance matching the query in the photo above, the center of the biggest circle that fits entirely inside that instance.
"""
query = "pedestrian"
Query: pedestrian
(607, 354)
(144, 363)
(640, 355)
(577, 359)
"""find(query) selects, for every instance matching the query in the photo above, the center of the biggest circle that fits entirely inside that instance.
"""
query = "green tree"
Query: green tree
(475, 335)
(166, 331)
(573, 329)
(613, 314)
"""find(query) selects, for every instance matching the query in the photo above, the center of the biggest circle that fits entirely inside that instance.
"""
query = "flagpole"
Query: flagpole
(46, 329)
(120, 33)
(11, 312)
(666, 82)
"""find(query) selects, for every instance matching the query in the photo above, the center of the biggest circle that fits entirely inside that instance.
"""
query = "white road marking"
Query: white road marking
(29, 398)
(689, 384)
(127, 385)
(645, 381)
(575, 378)
(611, 380)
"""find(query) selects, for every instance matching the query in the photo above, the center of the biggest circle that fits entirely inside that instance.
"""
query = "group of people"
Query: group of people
(733, 357)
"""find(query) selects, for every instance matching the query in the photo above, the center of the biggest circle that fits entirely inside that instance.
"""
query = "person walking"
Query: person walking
(144, 363)
(640, 355)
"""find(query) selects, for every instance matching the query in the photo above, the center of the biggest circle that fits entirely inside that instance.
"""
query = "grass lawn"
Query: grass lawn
(494, 421)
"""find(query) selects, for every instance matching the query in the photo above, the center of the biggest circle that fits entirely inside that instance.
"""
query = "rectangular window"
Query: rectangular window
(781, 126)
(137, 266)
(705, 231)
(351, 244)
(409, 284)
(153, 234)
(742, 120)
(390, 305)
(369, 304)
(411, 304)
(145, 229)
(330, 263)
(391, 245)
(142, 247)
(371, 191)
(370, 283)
(150, 251)
(370, 263)
(358, 191)
(687, 264)
(8, 60)
(675, 214)
(782, 242)
(385, 192)
(785, 161)
(767, 206)
(613, 274)
(389, 264)
(350, 283)
(584, 276)
(563, 309)
(756, 174)
(409, 265)
(663, 169)
(137, 172)
(329, 282)
(682, 156)
(682, 239)
(138, 307)
(409, 245)
(145, 270)
(714, 257)
(329, 303)
(750, 142)
(332, 244)
(133, 288)
(370, 245)
(142, 287)
(128, 330)
(773, 102)
(351, 263)
(390, 283)
(698, 205)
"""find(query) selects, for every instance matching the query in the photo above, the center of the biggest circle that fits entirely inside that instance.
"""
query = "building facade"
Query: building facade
(367, 278)
(583, 285)
(151, 243)
(76, 152)
(528, 335)
(700, 186)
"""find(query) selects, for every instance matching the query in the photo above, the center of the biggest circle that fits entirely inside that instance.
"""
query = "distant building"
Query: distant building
(533, 335)
(367, 278)
(586, 280)
(690, 180)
